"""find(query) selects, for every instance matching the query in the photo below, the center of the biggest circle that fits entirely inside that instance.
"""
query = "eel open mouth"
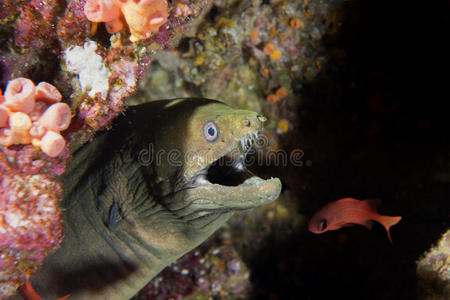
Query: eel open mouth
(230, 169)
(226, 183)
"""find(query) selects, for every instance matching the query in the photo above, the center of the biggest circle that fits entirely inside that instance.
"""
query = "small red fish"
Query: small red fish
(348, 212)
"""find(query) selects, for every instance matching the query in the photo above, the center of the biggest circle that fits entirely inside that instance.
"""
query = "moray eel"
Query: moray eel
(161, 181)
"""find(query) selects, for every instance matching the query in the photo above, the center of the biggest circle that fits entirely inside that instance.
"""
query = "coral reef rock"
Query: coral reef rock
(433, 271)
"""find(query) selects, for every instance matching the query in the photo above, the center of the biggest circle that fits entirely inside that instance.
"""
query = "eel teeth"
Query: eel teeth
(248, 140)
(239, 163)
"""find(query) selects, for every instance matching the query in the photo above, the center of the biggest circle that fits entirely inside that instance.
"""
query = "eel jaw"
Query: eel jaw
(230, 184)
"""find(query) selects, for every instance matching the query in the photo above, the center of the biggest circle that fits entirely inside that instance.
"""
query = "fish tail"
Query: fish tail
(387, 222)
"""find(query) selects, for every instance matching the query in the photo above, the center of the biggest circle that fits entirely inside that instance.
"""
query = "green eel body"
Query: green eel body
(147, 191)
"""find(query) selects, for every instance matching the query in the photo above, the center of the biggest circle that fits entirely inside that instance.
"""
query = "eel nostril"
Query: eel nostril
(262, 119)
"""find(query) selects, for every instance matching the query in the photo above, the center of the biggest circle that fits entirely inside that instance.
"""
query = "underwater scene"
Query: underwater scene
(235, 149)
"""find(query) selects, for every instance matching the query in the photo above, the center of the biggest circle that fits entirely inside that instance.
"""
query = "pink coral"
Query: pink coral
(143, 17)
(33, 114)
(29, 226)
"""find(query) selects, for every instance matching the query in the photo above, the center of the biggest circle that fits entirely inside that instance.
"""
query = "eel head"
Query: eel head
(206, 166)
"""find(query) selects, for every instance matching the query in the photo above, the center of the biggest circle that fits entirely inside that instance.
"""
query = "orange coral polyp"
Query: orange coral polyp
(19, 121)
(101, 10)
(38, 110)
(56, 117)
(23, 120)
(37, 131)
(5, 137)
(19, 95)
(47, 93)
(156, 21)
(114, 26)
(4, 116)
(142, 17)
(52, 143)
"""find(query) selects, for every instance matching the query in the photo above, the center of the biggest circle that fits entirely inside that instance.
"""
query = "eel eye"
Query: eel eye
(210, 131)
(323, 224)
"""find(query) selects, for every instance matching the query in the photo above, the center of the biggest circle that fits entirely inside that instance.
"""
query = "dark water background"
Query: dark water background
(374, 124)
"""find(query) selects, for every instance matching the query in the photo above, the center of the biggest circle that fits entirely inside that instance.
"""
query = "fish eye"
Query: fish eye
(210, 131)
(323, 224)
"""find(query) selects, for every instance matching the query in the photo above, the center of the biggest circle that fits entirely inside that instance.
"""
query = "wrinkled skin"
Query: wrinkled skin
(132, 206)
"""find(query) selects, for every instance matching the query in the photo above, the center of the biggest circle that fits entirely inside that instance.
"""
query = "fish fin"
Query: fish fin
(368, 224)
(372, 203)
(387, 222)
